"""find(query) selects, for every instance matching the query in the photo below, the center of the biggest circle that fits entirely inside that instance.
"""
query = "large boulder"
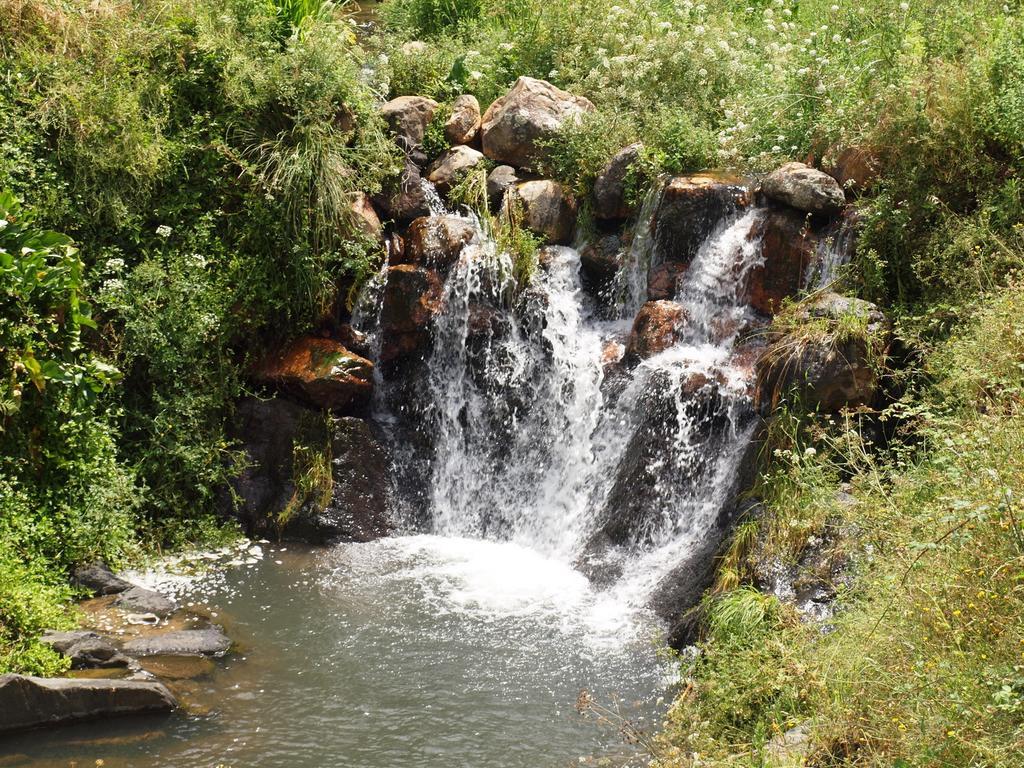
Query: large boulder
(321, 372)
(804, 188)
(97, 579)
(499, 181)
(547, 210)
(832, 357)
(278, 438)
(690, 209)
(464, 122)
(412, 298)
(514, 125)
(142, 600)
(789, 249)
(30, 702)
(408, 117)
(856, 169)
(86, 650)
(451, 167)
(365, 218)
(405, 198)
(610, 193)
(437, 241)
(184, 642)
(658, 326)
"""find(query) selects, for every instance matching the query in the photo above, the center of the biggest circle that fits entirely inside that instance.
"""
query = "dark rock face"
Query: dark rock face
(269, 431)
(87, 650)
(321, 372)
(657, 327)
(690, 209)
(142, 600)
(412, 297)
(186, 642)
(408, 117)
(663, 281)
(98, 579)
(804, 188)
(789, 247)
(610, 201)
(600, 259)
(405, 199)
(29, 702)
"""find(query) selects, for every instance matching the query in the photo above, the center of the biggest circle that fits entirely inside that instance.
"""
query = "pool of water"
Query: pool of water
(413, 651)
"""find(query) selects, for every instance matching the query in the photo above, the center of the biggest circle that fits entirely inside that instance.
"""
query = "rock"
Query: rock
(830, 368)
(98, 579)
(451, 167)
(437, 241)
(690, 209)
(788, 247)
(612, 352)
(415, 48)
(790, 749)
(355, 340)
(600, 259)
(804, 188)
(498, 182)
(142, 600)
(547, 210)
(610, 201)
(412, 297)
(87, 650)
(365, 217)
(408, 117)
(269, 432)
(657, 327)
(464, 122)
(185, 642)
(663, 281)
(405, 199)
(29, 702)
(533, 110)
(856, 169)
(178, 667)
(321, 372)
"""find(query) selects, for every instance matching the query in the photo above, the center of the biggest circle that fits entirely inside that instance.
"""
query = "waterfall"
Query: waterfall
(537, 440)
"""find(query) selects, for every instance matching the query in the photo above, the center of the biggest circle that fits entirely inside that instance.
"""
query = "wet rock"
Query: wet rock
(832, 367)
(178, 667)
(612, 352)
(600, 259)
(610, 194)
(412, 297)
(142, 600)
(405, 198)
(464, 123)
(804, 188)
(856, 169)
(547, 210)
(355, 340)
(437, 241)
(29, 702)
(663, 281)
(408, 117)
(365, 216)
(321, 372)
(533, 110)
(185, 642)
(498, 183)
(451, 167)
(657, 327)
(98, 579)
(87, 650)
(789, 248)
(690, 209)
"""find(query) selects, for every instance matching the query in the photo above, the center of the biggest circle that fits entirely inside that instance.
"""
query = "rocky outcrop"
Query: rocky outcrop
(404, 198)
(412, 297)
(657, 327)
(689, 210)
(97, 579)
(789, 247)
(804, 188)
(514, 125)
(832, 357)
(86, 650)
(30, 702)
(320, 372)
(408, 117)
(547, 210)
(499, 181)
(142, 600)
(186, 642)
(451, 167)
(663, 280)
(611, 200)
(437, 241)
(464, 123)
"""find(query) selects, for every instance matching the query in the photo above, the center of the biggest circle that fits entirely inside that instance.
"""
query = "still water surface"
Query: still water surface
(416, 651)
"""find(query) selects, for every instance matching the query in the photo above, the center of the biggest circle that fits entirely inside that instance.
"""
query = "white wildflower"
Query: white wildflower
(164, 231)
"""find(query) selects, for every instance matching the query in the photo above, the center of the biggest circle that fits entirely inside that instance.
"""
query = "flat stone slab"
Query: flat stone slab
(142, 600)
(99, 580)
(30, 702)
(87, 650)
(186, 642)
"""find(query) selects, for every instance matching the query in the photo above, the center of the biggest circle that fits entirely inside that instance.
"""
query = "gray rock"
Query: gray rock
(29, 702)
(498, 182)
(87, 650)
(547, 210)
(464, 122)
(789, 749)
(185, 642)
(98, 579)
(408, 117)
(804, 188)
(610, 201)
(142, 600)
(451, 167)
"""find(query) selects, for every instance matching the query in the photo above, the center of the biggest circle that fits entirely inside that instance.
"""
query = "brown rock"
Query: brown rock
(658, 326)
(689, 210)
(804, 188)
(320, 371)
(412, 297)
(600, 259)
(451, 167)
(663, 281)
(365, 216)
(610, 201)
(464, 122)
(788, 247)
(437, 241)
(856, 169)
(408, 117)
(498, 182)
(547, 210)
(533, 110)
(404, 199)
